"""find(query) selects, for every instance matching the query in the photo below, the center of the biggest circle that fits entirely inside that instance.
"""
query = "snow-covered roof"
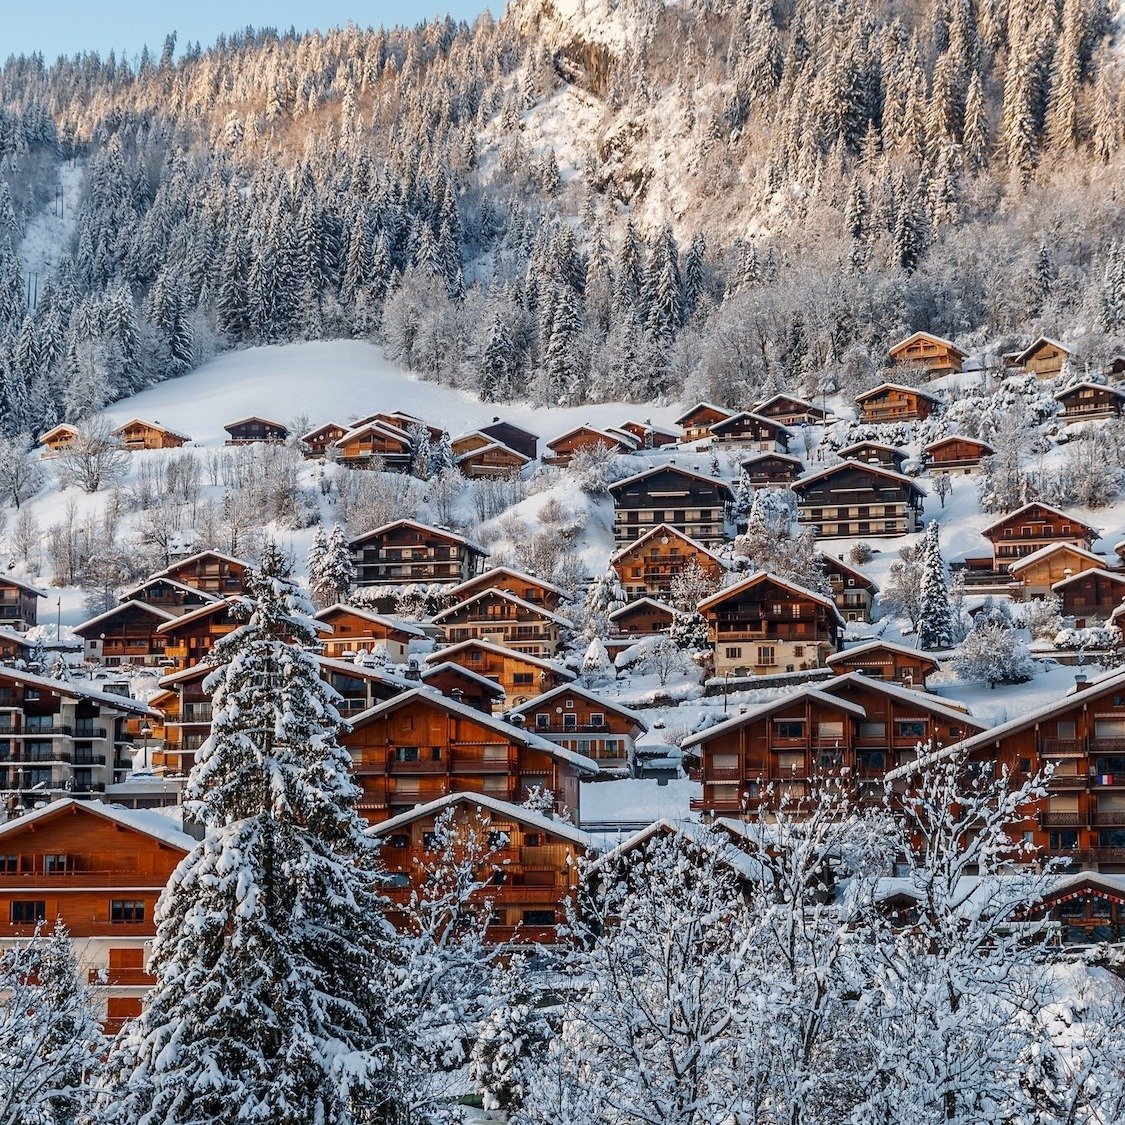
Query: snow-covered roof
(1044, 507)
(491, 686)
(8, 580)
(464, 711)
(257, 418)
(1085, 384)
(374, 426)
(375, 618)
(1109, 575)
(637, 603)
(765, 575)
(321, 429)
(742, 415)
(652, 427)
(492, 445)
(58, 431)
(862, 466)
(506, 809)
(217, 605)
(131, 595)
(770, 456)
(425, 529)
(693, 832)
(926, 336)
(870, 444)
(541, 701)
(80, 690)
(751, 714)
(938, 442)
(670, 468)
(500, 650)
(835, 562)
(874, 646)
(145, 607)
(804, 403)
(913, 696)
(207, 554)
(882, 387)
(149, 425)
(366, 672)
(1035, 345)
(618, 437)
(672, 533)
(13, 637)
(1051, 548)
(147, 821)
(519, 575)
(726, 413)
(504, 595)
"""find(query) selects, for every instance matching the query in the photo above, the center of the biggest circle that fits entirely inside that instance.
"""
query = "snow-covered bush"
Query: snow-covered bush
(992, 653)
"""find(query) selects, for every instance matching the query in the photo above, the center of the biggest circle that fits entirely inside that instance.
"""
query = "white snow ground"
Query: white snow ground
(48, 232)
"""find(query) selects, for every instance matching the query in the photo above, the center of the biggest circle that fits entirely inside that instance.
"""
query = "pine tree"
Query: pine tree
(976, 126)
(331, 578)
(317, 549)
(935, 624)
(272, 947)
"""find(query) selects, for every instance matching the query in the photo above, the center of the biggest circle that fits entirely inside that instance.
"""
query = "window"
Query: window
(126, 910)
(597, 719)
(796, 610)
(733, 652)
(428, 840)
(523, 679)
(538, 917)
(542, 720)
(532, 839)
(570, 722)
(9, 864)
(765, 654)
(55, 864)
(27, 911)
(910, 728)
(570, 704)
(399, 840)
(790, 728)
(406, 753)
(497, 838)
(777, 608)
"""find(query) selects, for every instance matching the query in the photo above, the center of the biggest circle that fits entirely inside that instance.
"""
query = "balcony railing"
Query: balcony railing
(728, 774)
(522, 935)
(421, 765)
(1112, 818)
(1061, 819)
(1059, 747)
(136, 978)
(1068, 781)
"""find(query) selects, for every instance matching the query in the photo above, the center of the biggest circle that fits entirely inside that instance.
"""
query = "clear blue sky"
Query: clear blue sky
(64, 27)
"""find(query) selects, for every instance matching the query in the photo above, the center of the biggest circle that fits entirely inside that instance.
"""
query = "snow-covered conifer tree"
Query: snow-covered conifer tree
(331, 572)
(935, 622)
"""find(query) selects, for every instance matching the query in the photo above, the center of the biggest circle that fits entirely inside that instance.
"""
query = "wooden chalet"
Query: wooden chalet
(852, 591)
(875, 453)
(537, 591)
(321, 441)
(405, 552)
(648, 564)
(696, 423)
(854, 728)
(650, 435)
(138, 434)
(99, 870)
(1091, 597)
(514, 437)
(931, 353)
(772, 470)
(529, 870)
(1086, 907)
(375, 445)
(585, 723)
(458, 683)
(633, 622)
(62, 738)
(19, 603)
(790, 411)
(1116, 367)
(127, 634)
(521, 675)
(850, 499)
(1038, 572)
(884, 660)
(58, 438)
(1084, 402)
(1031, 527)
(15, 646)
(956, 452)
(753, 432)
(189, 638)
(168, 594)
(246, 431)
(1082, 737)
(353, 629)
(410, 424)
(586, 437)
(690, 502)
(1044, 359)
(765, 624)
(504, 619)
(493, 459)
(893, 402)
(420, 745)
(212, 571)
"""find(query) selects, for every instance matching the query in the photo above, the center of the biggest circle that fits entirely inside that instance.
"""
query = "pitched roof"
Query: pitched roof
(816, 694)
(494, 689)
(462, 710)
(770, 423)
(693, 832)
(1111, 575)
(1035, 345)
(375, 426)
(590, 697)
(703, 406)
(151, 426)
(145, 607)
(926, 336)
(722, 486)
(521, 575)
(788, 398)
(492, 445)
(912, 696)
(500, 650)
(1045, 552)
(870, 444)
(766, 576)
(321, 429)
(865, 395)
(425, 528)
(504, 595)
(505, 809)
(860, 466)
(201, 555)
(833, 562)
(130, 595)
(874, 646)
(637, 603)
(217, 605)
(1046, 508)
(1086, 385)
(663, 529)
(938, 442)
(78, 690)
(374, 618)
(772, 455)
(8, 580)
(618, 437)
(146, 821)
(257, 418)
(59, 430)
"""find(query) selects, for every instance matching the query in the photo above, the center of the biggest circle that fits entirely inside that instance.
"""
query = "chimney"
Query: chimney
(1080, 679)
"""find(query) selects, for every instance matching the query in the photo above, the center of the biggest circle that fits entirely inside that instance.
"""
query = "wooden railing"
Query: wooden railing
(109, 978)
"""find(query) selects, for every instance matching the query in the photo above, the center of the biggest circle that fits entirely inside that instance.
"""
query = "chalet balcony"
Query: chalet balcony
(120, 978)
(1061, 819)
(727, 805)
(48, 730)
(1062, 747)
(421, 766)
(89, 759)
(1100, 855)
(522, 935)
(734, 774)
(1107, 781)
(1068, 781)
(465, 761)
(1114, 818)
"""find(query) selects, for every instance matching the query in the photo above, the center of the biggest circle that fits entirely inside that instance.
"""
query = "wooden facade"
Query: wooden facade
(893, 402)
(690, 502)
(1032, 527)
(321, 441)
(520, 675)
(875, 453)
(931, 353)
(98, 869)
(956, 452)
(1045, 358)
(852, 591)
(212, 571)
(492, 460)
(1038, 572)
(696, 423)
(168, 594)
(62, 738)
(127, 634)
(583, 722)
(647, 565)
(752, 431)
(884, 660)
(529, 863)
(852, 728)
(537, 591)
(138, 434)
(764, 624)
(504, 619)
(246, 431)
(637, 619)
(650, 435)
(420, 745)
(354, 630)
(772, 470)
(850, 499)
(406, 552)
(514, 437)
(463, 686)
(584, 438)
(790, 411)
(1091, 597)
(1084, 402)
(375, 445)
(19, 603)
(188, 639)
(57, 439)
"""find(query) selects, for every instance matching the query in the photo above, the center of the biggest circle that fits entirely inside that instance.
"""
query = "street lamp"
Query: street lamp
(146, 731)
